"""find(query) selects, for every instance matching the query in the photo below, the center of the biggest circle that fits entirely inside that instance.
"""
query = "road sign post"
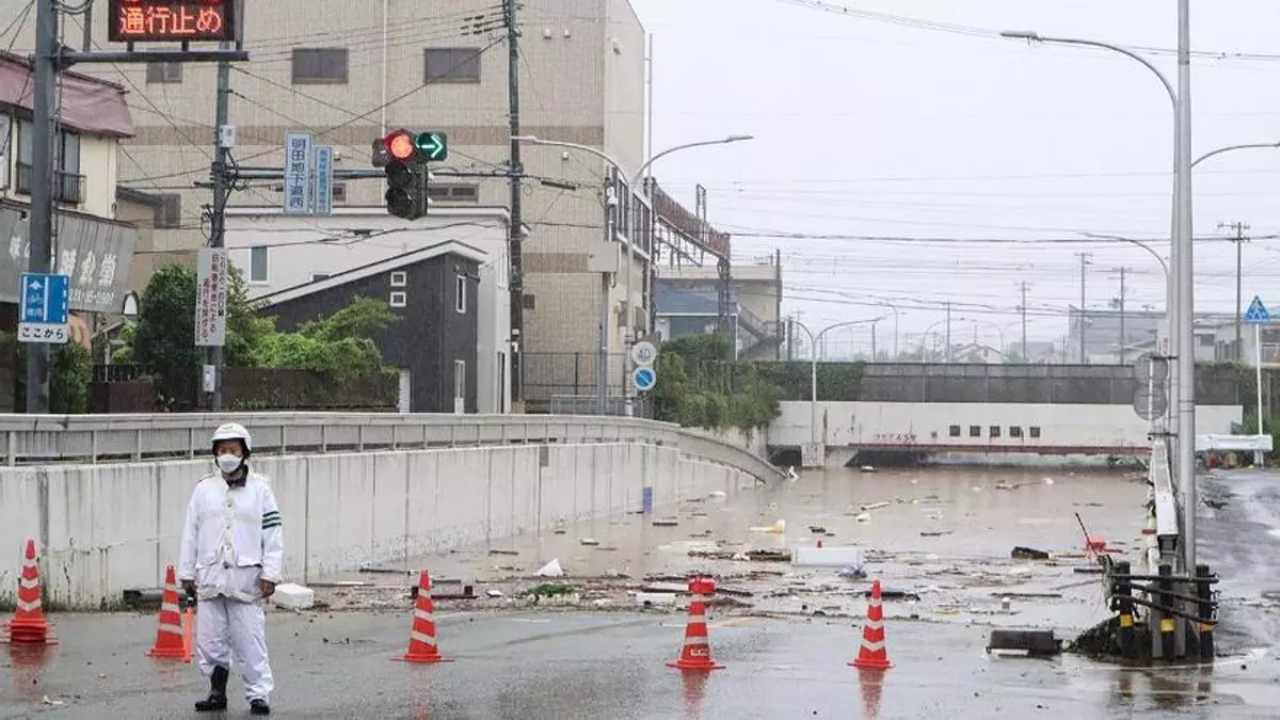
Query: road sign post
(644, 353)
(45, 306)
(1257, 316)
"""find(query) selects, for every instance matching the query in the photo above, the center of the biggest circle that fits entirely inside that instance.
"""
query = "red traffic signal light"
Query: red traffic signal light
(400, 145)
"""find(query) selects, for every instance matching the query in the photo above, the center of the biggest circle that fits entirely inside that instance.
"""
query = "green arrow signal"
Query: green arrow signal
(433, 145)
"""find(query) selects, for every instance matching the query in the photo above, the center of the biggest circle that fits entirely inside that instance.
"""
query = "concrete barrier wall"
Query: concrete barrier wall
(106, 528)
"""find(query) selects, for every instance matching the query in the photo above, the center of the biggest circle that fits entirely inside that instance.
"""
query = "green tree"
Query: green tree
(341, 344)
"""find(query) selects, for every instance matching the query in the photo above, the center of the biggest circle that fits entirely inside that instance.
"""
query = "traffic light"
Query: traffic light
(406, 172)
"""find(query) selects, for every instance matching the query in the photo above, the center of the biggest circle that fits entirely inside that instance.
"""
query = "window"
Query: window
(6, 126)
(530, 301)
(168, 213)
(459, 382)
(399, 278)
(339, 192)
(68, 184)
(1015, 431)
(460, 294)
(454, 193)
(955, 431)
(320, 66)
(995, 431)
(164, 72)
(1206, 341)
(975, 431)
(258, 264)
(1035, 431)
(399, 299)
(452, 65)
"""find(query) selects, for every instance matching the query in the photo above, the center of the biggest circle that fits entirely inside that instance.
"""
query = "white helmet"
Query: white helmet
(233, 431)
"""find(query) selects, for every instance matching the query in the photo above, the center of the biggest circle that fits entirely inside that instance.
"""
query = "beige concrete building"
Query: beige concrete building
(350, 70)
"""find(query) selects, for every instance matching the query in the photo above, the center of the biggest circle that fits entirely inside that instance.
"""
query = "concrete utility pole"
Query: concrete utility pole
(873, 341)
(1123, 338)
(947, 354)
(1239, 240)
(1023, 307)
(218, 214)
(42, 176)
(514, 250)
(602, 357)
(1084, 262)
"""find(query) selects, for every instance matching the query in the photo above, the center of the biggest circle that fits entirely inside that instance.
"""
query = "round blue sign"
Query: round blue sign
(644, 379)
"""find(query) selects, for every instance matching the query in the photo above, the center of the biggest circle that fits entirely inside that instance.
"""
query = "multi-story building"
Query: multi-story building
(89, 244)
(350, 72)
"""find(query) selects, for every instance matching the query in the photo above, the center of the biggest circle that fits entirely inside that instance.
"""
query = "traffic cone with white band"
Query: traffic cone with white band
(696, 654)
(28, 624)
(422, 636)
(873, 655)
(170, 642)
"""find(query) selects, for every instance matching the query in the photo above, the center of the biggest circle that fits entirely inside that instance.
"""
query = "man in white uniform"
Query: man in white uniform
(232, 551)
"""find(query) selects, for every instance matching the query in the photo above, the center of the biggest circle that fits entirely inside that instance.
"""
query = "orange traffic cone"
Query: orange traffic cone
(872, 655)
(422, 637)
(28, 624)
(170, 639)
(696, 654)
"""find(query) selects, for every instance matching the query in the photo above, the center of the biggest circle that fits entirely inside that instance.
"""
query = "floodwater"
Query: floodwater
(940, 534)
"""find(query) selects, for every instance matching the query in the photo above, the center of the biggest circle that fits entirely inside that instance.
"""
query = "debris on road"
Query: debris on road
(875, 506)
(936, 533)
(493, 593)
(655, 599)
(777, 528)
(868, 468)
(551, 569)
(666, 522)
(894, 595)
(852, 573)
(719, 494)
(817, 529)
(1009, 486)
(496, 551)
(1028, 595)
(827, 557)
(294, 596)
(383, 571)
(1026, 553)
(1034, 643)
(588, 541)
(863, 517)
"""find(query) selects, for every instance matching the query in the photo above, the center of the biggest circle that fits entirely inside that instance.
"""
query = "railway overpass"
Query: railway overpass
(992, 413)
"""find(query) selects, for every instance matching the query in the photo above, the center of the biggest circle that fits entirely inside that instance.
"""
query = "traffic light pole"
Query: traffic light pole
(46, 69)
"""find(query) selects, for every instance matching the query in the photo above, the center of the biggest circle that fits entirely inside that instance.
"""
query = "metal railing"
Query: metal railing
(35, 439)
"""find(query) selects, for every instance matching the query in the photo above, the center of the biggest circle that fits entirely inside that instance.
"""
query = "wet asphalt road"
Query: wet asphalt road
(522, 663)
(611, 665)
(1240, 540)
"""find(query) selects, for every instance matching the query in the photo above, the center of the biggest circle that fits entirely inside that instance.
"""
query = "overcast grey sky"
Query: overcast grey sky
(874, 128)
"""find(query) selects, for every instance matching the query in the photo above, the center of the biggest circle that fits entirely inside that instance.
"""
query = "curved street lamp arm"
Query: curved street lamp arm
(635, 179)
(1229, 148)
(1033, 37)
(558, 143)
(1163, 265)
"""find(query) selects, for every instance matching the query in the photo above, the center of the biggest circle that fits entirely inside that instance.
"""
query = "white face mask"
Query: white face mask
(229, 462)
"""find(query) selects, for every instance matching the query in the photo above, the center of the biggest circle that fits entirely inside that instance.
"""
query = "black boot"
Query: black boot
(259, 707)
(217, 699)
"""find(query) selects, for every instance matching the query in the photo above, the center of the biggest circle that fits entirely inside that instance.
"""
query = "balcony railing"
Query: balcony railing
(67, 187)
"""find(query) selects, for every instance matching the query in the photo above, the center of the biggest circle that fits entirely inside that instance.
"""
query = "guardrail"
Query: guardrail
(33, 439)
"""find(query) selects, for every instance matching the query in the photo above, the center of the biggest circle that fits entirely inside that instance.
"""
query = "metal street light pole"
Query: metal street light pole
(813, 368)
(1181, 295)
(628, 336)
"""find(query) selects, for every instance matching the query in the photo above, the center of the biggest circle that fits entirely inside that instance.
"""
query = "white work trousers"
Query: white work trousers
(230, 630)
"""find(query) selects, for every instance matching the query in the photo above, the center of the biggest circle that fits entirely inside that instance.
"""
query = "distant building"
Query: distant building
(689, 304)
(1144, 331)
(434, 290)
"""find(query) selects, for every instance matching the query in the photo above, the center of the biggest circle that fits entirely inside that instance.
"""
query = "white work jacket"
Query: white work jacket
(232, 538)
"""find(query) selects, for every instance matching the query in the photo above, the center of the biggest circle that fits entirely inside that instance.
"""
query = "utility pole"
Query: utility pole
(1239, 240)
(1023, 307)
(873, 341)
(517, 225)
(46, 77)
(1123, 338)
(1186, 299)
(947, 355)
(218, 213)
(1084, 262)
